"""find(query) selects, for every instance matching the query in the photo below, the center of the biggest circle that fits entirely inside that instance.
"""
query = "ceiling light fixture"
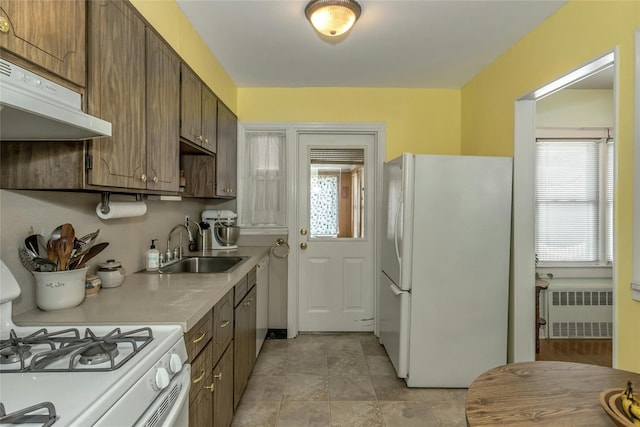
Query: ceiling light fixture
(332, 17)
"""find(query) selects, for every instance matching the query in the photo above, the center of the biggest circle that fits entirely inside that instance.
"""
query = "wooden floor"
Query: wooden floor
(593, 352)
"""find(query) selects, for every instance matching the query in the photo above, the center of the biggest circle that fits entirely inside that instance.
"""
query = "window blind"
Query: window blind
(568, 201)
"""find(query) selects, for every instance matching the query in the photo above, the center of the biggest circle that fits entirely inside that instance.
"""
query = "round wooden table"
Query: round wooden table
(543, 394)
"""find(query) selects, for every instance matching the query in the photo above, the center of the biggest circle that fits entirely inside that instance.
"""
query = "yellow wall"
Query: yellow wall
(167, 18)
(425, 121)
(577, 33)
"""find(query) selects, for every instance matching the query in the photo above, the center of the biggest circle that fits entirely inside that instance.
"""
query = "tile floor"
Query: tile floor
(339, 380)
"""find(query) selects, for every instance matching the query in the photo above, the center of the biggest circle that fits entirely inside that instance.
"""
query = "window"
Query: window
(262, 201)
(323, 218)
(574, 201)
(336, 193)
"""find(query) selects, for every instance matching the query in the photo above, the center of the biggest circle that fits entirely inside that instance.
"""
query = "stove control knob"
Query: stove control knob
(175, 364)
(162, 379)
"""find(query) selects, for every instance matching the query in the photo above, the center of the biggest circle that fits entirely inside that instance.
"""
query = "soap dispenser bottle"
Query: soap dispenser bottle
(152, 260)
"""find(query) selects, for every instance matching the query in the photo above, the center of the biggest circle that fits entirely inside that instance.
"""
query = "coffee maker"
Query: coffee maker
(224, 232)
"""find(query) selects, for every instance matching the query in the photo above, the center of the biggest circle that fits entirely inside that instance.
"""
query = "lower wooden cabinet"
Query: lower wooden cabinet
(200, 394)
(200, 413)
(222, 352)
(223, 392)
(244, 343)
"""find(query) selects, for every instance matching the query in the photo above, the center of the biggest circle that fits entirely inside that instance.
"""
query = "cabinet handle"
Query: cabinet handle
(155, 179)
(218, 376)
(224, 324)
(206, 140)
(197, 380)
(210, 387)
(4, 25)
(200, 338)
(199, 137)
(143, 178)
(248, 302)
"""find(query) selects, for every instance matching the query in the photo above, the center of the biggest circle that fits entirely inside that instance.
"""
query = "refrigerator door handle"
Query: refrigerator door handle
(395, 230)
(396, 290)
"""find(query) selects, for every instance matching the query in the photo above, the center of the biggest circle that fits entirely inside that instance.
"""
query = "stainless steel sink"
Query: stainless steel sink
(202, 264)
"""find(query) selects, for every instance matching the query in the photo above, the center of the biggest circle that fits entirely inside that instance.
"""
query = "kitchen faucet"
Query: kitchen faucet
(177, 252)
(193, 244)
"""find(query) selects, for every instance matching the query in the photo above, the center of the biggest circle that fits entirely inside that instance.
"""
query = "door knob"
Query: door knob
(303, 231)
(4, 25)
(303, 245)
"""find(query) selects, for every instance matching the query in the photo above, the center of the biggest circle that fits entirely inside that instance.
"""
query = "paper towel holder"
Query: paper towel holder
(105, 208)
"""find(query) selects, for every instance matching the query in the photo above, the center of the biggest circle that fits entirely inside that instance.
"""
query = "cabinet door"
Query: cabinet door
(116, 93)
(223, 395)
(163, 115)
(251, 330)
(202, 388)
(226, 152)
(201, 408)
(190, 106)
(240, 352)
(48, 33)
(222, 324)
(209, 119)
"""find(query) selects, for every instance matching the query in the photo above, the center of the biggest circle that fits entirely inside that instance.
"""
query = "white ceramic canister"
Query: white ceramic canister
(111, 273)
(57, 290)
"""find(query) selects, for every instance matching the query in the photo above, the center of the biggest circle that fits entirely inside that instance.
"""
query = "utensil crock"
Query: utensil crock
(57, 290)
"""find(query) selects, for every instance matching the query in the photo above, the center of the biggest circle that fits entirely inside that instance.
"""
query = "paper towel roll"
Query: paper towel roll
(122, 210)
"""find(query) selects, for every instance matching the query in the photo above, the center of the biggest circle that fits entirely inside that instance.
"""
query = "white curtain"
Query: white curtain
(263, 193)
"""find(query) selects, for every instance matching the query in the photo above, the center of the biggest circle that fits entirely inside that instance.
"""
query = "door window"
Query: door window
(336, 193)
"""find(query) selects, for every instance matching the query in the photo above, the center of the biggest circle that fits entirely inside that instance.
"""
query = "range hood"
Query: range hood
(33, 108)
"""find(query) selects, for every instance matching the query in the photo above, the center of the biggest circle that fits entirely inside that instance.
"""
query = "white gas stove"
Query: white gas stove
(90, 375)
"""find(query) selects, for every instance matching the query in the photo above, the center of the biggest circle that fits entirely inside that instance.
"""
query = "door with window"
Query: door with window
(336, 178)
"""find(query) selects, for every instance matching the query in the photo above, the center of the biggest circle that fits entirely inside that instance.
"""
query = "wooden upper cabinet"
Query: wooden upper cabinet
(191, 106)
(116, 93)
(226, 167)
(209, 119)
(48, 33)
(198, 111)
(163, 115)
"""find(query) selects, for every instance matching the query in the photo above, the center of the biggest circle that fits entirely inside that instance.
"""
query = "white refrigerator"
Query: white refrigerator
(443, 293)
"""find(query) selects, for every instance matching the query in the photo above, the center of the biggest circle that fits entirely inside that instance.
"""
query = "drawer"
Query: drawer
(198, 336)
(201, 374)
(251, 277)
(241, 290)
(222, 325)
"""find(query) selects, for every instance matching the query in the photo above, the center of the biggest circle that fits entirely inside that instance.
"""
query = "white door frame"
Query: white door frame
(380, 149)
(522, 295)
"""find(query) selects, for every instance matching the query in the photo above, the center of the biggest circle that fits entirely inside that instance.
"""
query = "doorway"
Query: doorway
(523, 317)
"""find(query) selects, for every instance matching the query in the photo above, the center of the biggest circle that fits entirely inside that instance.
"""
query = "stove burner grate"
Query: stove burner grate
(14, 353)
(25, 416)
(83, 353)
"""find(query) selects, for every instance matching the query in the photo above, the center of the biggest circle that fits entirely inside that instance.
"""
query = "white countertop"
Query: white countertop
(152, 298)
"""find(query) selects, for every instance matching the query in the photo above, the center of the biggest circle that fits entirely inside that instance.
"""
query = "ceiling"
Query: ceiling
(395, 43)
